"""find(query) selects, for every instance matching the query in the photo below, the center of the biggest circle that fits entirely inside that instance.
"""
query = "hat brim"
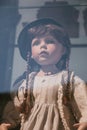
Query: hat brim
(24, 36)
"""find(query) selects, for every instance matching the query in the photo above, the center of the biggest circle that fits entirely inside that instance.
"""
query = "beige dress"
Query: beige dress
(49, 111)
(45, 113)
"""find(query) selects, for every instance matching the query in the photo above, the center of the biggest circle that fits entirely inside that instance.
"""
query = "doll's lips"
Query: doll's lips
(43, 53)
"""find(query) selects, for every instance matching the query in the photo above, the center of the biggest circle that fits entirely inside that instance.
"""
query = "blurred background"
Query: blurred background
(15, 14)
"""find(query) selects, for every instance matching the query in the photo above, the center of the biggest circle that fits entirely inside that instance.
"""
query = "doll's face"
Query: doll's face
(46, 50)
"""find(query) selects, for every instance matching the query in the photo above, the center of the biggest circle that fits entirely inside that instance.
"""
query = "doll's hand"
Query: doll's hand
(81, 126)
(5, 126)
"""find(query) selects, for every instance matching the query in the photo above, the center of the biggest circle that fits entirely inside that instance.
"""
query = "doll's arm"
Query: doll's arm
(81, 126)
(10, 117)
(80, 101)
(5, 126)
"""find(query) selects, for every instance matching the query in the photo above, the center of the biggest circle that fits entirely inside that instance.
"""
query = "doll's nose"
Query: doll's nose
(43, 44)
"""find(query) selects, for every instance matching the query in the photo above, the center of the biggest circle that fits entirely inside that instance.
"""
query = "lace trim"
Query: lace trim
(61, 111)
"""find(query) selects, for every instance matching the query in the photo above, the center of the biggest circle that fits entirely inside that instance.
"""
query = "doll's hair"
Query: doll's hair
(59, 34)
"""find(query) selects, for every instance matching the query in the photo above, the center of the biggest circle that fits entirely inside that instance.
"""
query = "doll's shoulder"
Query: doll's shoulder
(17, 84)
(19, 80)
(67, 76)
(71, 76)
(22, 79)
(74, 80)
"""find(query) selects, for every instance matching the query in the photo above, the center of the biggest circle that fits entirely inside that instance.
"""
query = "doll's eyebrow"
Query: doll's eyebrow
(35, 42)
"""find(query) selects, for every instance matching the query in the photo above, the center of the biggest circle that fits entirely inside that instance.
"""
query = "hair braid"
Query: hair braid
(68, 89)
(26, 106)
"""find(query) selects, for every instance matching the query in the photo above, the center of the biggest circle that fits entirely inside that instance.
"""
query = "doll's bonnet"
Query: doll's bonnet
(24, 42)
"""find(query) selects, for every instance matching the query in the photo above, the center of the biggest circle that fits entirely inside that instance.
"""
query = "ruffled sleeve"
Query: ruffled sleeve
(80, 99)
(15, 93)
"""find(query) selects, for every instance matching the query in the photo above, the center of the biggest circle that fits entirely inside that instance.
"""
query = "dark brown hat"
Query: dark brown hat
(23, 39)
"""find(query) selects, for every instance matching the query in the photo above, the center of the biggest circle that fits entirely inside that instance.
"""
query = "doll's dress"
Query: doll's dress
(45, 113)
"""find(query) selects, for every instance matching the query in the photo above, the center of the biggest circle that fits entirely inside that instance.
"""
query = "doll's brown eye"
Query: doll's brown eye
(35, 43)
(50, 41)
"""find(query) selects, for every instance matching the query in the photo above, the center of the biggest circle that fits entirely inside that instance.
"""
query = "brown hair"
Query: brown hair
(59, 34)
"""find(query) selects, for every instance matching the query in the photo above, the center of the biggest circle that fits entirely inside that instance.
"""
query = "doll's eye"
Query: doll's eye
(35, 43)
(50, 41)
